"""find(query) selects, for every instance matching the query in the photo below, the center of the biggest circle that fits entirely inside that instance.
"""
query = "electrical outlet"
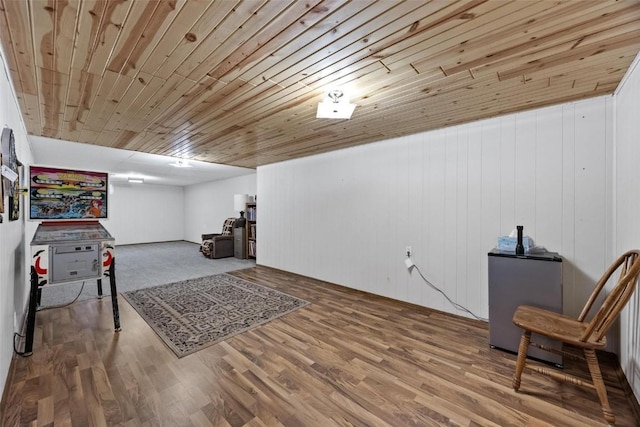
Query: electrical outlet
(408, 251)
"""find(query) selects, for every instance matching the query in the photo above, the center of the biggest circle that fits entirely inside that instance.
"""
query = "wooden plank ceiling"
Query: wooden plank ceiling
(238, 81)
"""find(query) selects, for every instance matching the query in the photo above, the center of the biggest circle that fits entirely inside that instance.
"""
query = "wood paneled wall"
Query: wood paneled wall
(347, 216)
(627, 211)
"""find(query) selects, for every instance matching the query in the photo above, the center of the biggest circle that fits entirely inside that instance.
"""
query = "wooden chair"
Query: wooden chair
(581, 333)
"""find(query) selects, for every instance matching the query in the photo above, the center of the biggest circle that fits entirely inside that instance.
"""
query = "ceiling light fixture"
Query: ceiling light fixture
(336, 107)
(180, 163)
(133, 180)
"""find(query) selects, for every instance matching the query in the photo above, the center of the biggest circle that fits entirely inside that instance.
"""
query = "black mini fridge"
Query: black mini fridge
(531, 279)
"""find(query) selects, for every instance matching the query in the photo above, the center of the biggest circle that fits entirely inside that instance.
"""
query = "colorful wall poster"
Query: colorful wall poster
(65, 194)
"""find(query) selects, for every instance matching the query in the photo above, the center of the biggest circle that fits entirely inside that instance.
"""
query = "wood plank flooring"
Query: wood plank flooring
(347, 359)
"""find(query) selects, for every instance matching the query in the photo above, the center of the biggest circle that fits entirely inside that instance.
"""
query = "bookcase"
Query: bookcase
(251, 231)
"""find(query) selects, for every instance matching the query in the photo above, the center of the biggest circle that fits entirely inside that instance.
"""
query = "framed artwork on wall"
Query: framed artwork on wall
(67, 194)
(9, 164)
(14, 200)
(10, 161)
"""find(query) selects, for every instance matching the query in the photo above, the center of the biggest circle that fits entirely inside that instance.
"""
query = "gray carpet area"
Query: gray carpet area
(146, 265)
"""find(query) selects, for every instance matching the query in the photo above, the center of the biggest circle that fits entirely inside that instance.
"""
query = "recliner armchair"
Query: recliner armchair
(219, 245)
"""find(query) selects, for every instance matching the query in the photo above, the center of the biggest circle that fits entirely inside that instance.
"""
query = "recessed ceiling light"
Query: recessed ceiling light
(134, 180)
(180, 163)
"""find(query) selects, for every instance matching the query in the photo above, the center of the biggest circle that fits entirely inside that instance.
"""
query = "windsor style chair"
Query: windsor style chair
(587, 335)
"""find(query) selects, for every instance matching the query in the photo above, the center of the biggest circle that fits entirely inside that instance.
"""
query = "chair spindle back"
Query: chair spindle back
(629, 266)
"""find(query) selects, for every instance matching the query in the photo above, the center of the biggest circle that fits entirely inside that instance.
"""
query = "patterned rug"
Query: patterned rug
(194, 314)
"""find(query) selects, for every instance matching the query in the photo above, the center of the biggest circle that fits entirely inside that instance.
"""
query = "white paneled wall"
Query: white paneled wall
(627, 218)
(14, 291)
(347, 216)
(143, 213)
(207, 205)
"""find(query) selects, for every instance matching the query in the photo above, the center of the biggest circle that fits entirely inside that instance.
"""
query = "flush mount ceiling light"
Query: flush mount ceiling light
(135, 180)
(180, 163)
(335, 107)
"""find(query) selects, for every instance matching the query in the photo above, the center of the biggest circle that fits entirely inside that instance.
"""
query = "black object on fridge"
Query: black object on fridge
(531, 279)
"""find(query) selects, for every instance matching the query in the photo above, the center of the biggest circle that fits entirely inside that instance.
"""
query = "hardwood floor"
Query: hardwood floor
(348, 358)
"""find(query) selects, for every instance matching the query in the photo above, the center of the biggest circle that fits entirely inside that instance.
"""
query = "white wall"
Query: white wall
(13, 250)
(143, 213)
(627, 207)
(208, 205)
(140, 213)
(346, 216)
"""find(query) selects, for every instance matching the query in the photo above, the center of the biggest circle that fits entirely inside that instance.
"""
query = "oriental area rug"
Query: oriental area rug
(193, 314)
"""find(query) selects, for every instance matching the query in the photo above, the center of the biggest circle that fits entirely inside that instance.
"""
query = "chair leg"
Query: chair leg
(522, 355)
(596, 377)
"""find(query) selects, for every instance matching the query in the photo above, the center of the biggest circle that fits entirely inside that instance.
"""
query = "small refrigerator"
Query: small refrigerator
(531, 279)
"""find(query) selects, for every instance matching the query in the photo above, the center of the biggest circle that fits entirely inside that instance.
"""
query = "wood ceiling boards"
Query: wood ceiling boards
(238, 81)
